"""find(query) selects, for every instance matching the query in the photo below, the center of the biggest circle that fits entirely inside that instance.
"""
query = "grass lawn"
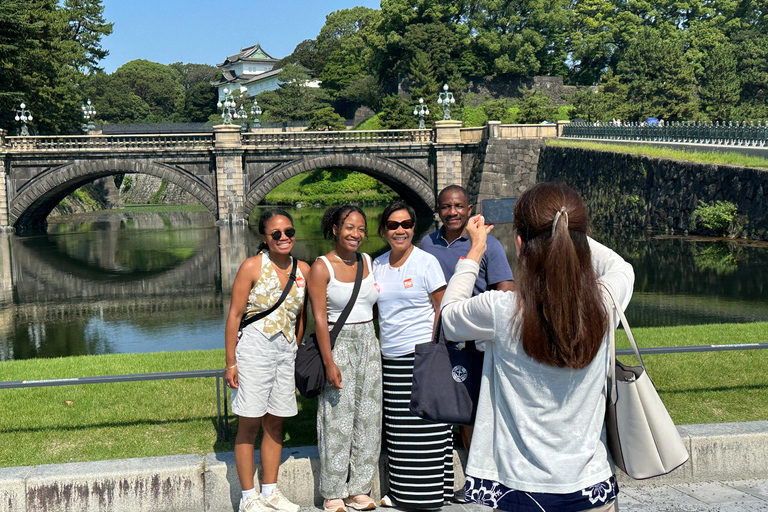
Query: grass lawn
(139, 419)
(712, 157)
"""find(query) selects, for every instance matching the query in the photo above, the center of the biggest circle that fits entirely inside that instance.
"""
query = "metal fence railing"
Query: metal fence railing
(732, 134)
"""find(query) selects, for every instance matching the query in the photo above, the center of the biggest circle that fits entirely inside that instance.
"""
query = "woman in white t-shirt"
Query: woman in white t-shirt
(539, 440)
(349, 406)
(411, 285)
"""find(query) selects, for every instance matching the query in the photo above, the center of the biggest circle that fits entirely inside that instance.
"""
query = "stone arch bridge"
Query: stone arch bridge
(230, 172)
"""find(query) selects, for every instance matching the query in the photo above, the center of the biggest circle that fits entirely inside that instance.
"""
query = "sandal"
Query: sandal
(334, 505)
(360, 502)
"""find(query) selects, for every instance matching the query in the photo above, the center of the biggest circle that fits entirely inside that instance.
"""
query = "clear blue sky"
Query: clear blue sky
(207, 31)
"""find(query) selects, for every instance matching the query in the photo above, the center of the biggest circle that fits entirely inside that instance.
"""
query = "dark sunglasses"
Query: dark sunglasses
(277, 234)
(393, 225)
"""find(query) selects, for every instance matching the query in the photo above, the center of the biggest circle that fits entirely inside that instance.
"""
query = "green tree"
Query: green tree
(423, 81)
(192, 74)
(396, 113)
(590, 105)
(660, 80)
(200, 102)
(720, 86)
(114, 101)
(326, 119)
(293, 100)
(84, 25)
(157, 84)
(751, 52)
(535, 108)
(305, 54)
(365, 90)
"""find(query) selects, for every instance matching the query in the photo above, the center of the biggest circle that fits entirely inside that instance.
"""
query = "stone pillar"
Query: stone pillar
(230, 178)
(448, 154)
(4, 211)
(233, 251)
(493, 129)
(560, 126)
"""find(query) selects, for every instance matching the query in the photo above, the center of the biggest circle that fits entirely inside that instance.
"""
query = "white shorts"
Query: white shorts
(265, 372)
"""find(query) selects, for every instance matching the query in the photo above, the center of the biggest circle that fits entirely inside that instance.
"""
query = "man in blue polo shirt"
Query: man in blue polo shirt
(450, 243)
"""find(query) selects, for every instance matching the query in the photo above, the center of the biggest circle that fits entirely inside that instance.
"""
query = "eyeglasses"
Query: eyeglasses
(277, 234)
(393, 225)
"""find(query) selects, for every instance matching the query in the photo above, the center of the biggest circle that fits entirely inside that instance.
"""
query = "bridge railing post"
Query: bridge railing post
(494, 129)
(448, 158)
(230, 177)
(561, 126)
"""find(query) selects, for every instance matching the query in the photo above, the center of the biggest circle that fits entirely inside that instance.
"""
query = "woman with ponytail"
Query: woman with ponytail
(539, 439)
(260, 357)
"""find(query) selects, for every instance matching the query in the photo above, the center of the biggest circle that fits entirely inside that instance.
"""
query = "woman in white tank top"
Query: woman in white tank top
(349, 407)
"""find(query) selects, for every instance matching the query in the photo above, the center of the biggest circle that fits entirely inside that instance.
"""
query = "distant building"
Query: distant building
(252, 68)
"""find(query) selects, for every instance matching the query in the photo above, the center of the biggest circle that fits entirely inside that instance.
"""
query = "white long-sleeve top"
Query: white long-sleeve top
(539, 428)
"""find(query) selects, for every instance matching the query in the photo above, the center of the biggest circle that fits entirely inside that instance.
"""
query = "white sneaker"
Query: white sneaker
(280, 502)
(256, 503)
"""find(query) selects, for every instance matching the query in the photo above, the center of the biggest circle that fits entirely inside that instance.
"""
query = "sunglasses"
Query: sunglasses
(277, 234)
(393, 225)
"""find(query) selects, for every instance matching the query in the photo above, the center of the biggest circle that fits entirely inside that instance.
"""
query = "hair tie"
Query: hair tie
(557, 217)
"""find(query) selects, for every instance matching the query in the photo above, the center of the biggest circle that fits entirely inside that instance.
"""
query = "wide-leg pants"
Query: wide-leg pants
(420, 452)
(349, 419)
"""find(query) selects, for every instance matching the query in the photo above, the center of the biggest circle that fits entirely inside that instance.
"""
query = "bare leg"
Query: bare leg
(271, 448)
(247, 430)
(466, 435)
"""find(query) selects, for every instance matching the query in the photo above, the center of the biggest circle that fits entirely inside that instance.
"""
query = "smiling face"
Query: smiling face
(400, 238)
(351, 233)
(284, 244)
(454, 211)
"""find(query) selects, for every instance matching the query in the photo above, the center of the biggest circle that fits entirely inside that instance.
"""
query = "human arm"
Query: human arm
(302, 320)
(613, 270)
(317, 284)
(248, 273)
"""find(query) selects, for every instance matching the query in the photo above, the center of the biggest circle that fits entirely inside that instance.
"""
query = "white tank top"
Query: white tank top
(338, 293)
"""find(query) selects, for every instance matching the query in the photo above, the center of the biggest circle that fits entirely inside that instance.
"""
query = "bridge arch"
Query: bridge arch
(37, 198)
(403, 180)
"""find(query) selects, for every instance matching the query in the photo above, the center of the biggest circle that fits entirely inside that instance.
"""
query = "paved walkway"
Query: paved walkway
(739, 496)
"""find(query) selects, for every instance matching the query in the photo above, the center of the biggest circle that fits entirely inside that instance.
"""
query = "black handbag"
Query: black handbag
(446, 380)
(310, 370)
(267, 312)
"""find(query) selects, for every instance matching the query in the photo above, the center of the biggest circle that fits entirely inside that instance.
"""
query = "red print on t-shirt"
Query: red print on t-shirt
(300, 282)
(376, 285)
(408, 283)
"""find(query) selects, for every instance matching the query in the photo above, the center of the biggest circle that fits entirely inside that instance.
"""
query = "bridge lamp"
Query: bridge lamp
(89, 113)
(421, 110)
(256, 112)
(446, 98)
(22, 116)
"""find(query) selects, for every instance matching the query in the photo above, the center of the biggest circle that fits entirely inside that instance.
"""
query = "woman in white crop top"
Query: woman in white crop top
(349, 406)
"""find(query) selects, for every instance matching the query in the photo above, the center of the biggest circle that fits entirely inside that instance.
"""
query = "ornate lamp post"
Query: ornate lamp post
(89, 112)
(446, 98)
(22, 116)
(256, 112)
(229, 107)
(421, 110)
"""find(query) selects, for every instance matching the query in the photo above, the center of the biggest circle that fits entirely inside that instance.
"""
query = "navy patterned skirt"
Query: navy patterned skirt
(496, 495)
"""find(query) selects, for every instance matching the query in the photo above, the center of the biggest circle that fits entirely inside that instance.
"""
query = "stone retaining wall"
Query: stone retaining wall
(631, 191)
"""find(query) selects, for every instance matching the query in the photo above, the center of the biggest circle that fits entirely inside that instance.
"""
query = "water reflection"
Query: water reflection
(150, 282)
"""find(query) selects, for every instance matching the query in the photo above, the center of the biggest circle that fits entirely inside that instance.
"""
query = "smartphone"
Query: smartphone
(499, 211)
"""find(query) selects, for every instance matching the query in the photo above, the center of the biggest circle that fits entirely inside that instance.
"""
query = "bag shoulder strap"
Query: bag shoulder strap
(612, 339)
(351, 303)
(286, 291)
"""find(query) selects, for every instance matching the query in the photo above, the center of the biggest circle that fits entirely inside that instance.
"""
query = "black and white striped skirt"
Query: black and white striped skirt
(420, 452)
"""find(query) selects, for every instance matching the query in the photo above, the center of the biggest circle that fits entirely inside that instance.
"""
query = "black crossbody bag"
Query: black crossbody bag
(267, 312)
(310, 370)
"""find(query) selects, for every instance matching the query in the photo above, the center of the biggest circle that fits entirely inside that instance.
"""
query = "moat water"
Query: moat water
(144, 282)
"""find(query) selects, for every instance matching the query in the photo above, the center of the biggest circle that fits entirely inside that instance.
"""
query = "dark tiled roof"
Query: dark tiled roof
(252, 53)
(262, 76)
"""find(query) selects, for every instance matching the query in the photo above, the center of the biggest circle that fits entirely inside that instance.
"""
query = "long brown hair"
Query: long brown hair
(564, 319)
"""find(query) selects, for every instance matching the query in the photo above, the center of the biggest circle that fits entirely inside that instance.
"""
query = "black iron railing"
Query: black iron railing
(752, 134)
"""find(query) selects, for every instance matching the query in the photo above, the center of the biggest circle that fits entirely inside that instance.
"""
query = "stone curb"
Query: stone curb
(194, 483)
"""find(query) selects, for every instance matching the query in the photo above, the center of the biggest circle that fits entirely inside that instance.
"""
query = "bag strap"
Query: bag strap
(439, 337)
(612, 338)
(351, 303)
(286, 291)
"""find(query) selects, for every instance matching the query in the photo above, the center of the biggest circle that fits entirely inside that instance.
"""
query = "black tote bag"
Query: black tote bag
(446, 380)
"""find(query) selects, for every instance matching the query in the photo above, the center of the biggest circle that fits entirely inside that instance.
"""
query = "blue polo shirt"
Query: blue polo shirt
(494, 267)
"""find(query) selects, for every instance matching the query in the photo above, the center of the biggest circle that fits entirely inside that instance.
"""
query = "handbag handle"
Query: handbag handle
(438, 336)
(612, 339)
(267, 312)
(351, 303)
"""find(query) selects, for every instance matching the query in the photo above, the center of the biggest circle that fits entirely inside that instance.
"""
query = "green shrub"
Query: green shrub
(157, 197)
(473, 117)
(372, 123)
(718, 216)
